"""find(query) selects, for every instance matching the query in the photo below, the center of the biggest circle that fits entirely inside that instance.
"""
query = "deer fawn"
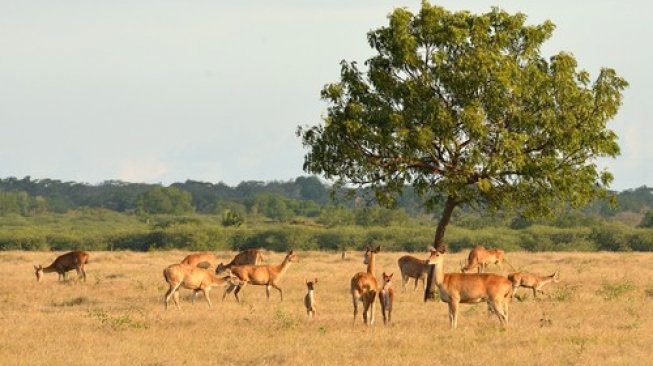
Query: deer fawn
(309, 299)
(76, 260)
(412, 267)
(262, 275)
(246, 257)
(193, 278)
(456, 288)
(364, 287)
(386, 298)
(532, 281)
(479, 257)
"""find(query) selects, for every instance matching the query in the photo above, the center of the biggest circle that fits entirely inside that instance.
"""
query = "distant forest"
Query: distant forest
(303, 213)
(277, 200)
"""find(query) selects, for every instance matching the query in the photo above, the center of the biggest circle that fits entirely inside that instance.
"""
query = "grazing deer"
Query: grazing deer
(456, 288)
(532, 281)
(412, 267)
(193, 278)
(309, 299)
(203, 260)
(386, 298)
(76, 260)
(246, 257)
(364, 287)
(479, 257)
(261, 275)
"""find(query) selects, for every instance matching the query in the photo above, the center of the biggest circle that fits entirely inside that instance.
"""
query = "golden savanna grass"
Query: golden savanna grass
(600, 313)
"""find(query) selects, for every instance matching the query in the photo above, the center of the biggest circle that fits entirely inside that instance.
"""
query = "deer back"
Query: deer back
(413, 267)
(69, 261)
(476, 287)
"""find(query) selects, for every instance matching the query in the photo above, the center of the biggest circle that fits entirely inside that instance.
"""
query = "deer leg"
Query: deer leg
(166, 297)
(206, 296)
(366, 308)
(535, 292)
(280, 290)
(416, 280)
(371, 307)
(354, 300)
(83, 269)
(228, 290)
(175, 298)
(238, 289)
(404, 281)
(453, 313)
(383, 310)
(267, 292)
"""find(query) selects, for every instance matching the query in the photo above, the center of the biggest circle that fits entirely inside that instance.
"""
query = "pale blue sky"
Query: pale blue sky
(164, 91)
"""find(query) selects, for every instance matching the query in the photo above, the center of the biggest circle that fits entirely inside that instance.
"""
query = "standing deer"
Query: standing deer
(364, 287)
(386, 298)
(261, 275)
(203, 260)
(309, 299)
(193, 278)
(456, 288)
(532, 281)
(76, 260)
(412, 267)
(249, 256)
(479, 257)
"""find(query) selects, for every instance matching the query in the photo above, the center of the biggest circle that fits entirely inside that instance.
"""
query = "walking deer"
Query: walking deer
(203, 260)
(479, 257)
(532, 281)
(76, 260)
(193, 278)
(261, 275)
(364, 287)
(386, 298)
(456, 288)
(309, 299)
(412, 267)
(246, 257)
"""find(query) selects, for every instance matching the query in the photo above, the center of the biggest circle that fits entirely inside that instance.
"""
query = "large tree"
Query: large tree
(467, 110)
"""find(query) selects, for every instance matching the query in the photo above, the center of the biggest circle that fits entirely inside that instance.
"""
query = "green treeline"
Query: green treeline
(299, 214)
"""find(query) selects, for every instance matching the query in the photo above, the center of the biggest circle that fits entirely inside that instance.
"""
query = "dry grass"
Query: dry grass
(600, 313)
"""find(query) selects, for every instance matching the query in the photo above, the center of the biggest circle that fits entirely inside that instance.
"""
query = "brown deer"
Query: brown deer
(76, 260)
(364, 287)
(412, 267)
(261, 275)
(532, 281)
(386, 298)
(249, 256)
(456, 288)
(193, 278)
(309, 299)
(203, 260)
(479, 257)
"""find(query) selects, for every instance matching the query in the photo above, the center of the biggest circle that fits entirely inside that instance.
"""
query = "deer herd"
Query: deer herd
(195, 272)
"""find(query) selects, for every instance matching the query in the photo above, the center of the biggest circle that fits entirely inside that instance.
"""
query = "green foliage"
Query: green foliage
(614, 291)
(465, 109)
(231, 218)
(647, 220)
(160, 200)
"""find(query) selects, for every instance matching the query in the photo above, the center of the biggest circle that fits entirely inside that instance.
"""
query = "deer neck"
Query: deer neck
(439, 274)
(371, 264)
(49, 269)
(283, 267)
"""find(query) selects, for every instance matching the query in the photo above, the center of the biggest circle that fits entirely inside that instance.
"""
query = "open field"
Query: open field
(600, 313)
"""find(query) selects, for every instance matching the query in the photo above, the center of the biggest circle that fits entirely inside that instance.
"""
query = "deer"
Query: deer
(309, 299)
(76, 260)
(203, 260)
(249, 256)
(456, 288)
(193, 278)
(412, 267)
(386, 298)
(261, 275)
(532, 281)
(479, 257)
(364, 287)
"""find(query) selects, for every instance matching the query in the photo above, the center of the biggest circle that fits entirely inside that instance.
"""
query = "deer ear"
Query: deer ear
(391, 274)
(366, 248)
(384, 275)
(378, 249)
(36, 268)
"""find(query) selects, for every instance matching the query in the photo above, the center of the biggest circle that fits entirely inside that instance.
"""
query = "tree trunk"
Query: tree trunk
(429, 292)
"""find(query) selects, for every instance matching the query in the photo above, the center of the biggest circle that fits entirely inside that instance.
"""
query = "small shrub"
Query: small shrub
(116, 322)
(614, 291)
(73, 302)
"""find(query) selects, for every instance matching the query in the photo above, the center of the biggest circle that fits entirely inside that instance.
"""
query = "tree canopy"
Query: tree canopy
(467, 110)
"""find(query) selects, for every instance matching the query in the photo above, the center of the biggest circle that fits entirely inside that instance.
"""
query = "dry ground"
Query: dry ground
(600, 313)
